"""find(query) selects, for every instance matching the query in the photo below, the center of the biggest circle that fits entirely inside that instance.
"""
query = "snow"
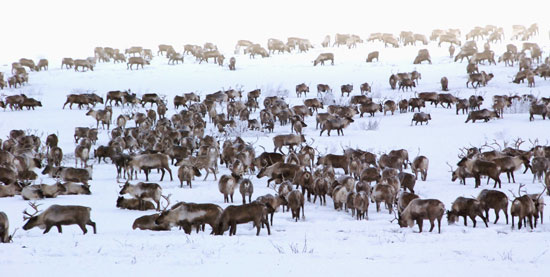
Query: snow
(327, 242)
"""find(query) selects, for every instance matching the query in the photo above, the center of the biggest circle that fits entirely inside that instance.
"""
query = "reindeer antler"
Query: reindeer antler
(27, 215)
(450, 166)
(518, 142)
(395, 217)
(167, 198)
(519, 191)
(495, 142)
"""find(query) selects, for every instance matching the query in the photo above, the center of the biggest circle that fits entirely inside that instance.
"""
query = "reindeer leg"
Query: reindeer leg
(419, 222)
(91, 223)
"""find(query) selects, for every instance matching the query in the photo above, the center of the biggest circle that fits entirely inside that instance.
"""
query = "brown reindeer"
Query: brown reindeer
(137, 61)
(58, 215)
(420, 164)
(69, 174)
(404, 199)
(233, 215)
(383, 193)
(279, 171)
(187, 173)
(466, 207)
(420, 209)
(287, 140)
(134, 204)
(524, 208)
(83, 64)
(493, 199)
(421, 117)
(147, 222)
(187, 215)
(483, 114)
(146, 162)
(479, 167)
(324, 57)
(372, 55)
(336, 123)
(226, 186)
(67, 62)
(295, 201)
(142, 192)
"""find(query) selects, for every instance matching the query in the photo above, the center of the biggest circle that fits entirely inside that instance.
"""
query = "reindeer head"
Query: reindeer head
(32, 219)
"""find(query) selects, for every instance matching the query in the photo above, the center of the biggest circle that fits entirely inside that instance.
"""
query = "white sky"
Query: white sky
(36, 28)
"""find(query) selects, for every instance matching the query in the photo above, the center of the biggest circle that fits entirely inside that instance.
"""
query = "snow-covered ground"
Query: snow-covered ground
(327, 242)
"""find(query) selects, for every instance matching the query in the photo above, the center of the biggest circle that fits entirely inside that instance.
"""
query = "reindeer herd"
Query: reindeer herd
(295, 170)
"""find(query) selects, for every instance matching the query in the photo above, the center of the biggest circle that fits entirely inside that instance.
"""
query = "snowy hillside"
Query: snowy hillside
(327, 242)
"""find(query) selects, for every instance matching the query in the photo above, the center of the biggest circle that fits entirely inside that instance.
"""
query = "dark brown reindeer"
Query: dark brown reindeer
(466, 207)
(233, 215)
(478, 167)
(338, 123)
(524, 208)
(493, 199)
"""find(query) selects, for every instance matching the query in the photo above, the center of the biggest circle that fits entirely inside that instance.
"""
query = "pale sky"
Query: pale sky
(36, 28)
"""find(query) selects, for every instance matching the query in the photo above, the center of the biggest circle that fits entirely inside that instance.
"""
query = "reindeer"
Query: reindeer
(58, 215)
(272, 203)
(336, 161)
(137, 61)
(301, 88)
(67, 62)
(383, 193)
(295, 200)
(69, 174)
(190, 214)
(510, 164)
(337, 123)
(287, 140)
(537, 109)
(279, 171)
(484, 114)
(246, 188)
(71, 188)
(524, 208)
(539, 167)
(147, 222)
(187, 173)
(83, 64)
(346, 89)
(103, 116)
(493, 199)
(371, 56)
(134, 204)
(466, 207)
(232, 62)
(421, 164)
(480, 167)
(324, 57)
(423, 55)
(421, 117)
(146, 162)
(226, 186)
(233, 215)
(142, 192)
(420, 209)
(404, 199)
